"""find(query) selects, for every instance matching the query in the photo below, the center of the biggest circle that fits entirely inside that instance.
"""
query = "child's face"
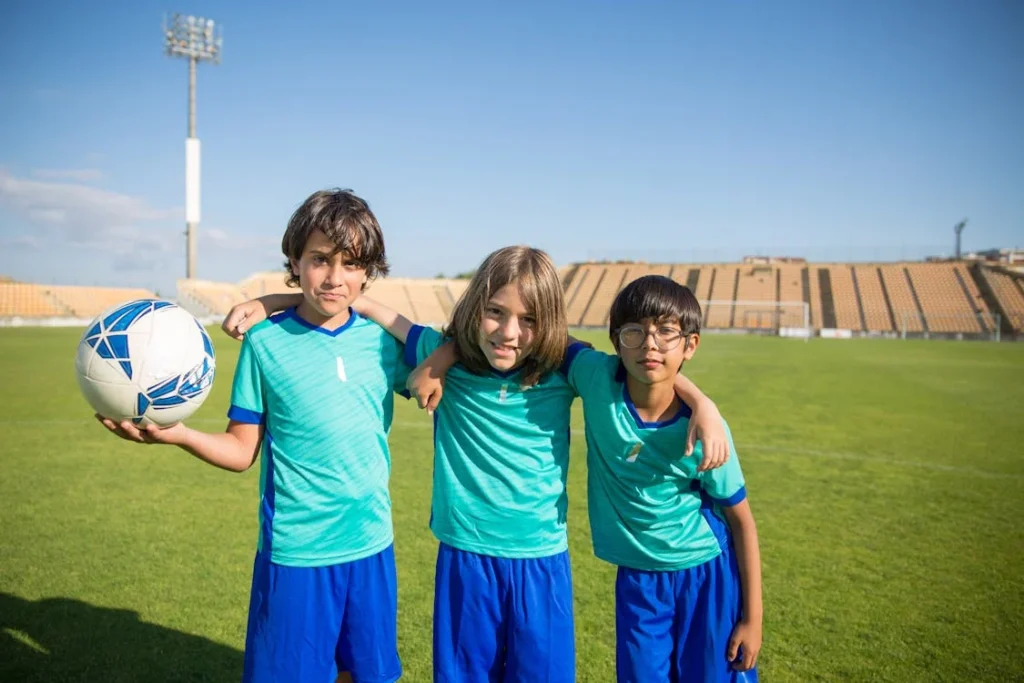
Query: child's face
(330, 280)
(660, 350)
(507, 329)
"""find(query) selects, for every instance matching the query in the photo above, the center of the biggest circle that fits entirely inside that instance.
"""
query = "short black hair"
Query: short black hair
(654, 297)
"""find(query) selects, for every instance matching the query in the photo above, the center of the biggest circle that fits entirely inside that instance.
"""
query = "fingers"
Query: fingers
(746, 662)
(106, 422)
(734, 649)
(434, 400)
(716, 453)
(235, 324)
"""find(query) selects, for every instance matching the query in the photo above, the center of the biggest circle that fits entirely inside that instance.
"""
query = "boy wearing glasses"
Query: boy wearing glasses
(688, 589)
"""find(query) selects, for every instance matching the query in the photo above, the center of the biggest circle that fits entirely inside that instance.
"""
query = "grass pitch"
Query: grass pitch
(886, 478)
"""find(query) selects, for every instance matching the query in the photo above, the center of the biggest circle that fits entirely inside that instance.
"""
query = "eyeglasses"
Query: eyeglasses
(665, 338)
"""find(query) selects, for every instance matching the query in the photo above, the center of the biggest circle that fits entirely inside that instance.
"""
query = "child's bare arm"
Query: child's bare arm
(426, 382)
(747, 633)
(243, 316)
(395, 323)
(705, 424)
(235, 449)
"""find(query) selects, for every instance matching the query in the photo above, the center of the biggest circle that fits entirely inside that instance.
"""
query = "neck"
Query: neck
(653, 402)
(315, 317)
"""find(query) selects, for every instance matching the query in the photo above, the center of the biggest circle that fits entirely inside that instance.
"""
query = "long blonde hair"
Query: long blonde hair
(533, 272)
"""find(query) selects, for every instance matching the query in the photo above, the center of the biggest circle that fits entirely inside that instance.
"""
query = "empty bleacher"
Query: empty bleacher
(29, 301)
(905, 312)
(214, 298)
(581, 290)
(844, 296)
(62, 301)
(940, 298)
(946, 304)
(790, 281)
(877, 317)
(425, 304)
(723, 292)
(755, 284)
(609, 284)
(1010, 295)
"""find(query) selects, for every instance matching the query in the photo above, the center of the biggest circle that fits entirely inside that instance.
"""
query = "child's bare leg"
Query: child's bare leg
(344, 677)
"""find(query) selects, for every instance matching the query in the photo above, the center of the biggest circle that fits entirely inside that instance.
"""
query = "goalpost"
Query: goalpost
(982, 325)
(784, 318)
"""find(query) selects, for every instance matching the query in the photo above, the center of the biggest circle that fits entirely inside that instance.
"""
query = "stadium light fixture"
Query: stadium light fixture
(959, 228)
(197, 39)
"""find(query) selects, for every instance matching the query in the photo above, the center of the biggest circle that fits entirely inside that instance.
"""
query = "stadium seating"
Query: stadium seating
(755, 283)
(723, 289)
(944, 298)
(43, 301)
(608, 285)
(1007, 289)
(945, 301)
(904, 307)
(877, 315)
(29, 301)
(213, 298)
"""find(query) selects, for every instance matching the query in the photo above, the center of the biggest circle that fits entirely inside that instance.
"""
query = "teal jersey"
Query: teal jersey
(649, 507)
(325, 400)
(501, 455)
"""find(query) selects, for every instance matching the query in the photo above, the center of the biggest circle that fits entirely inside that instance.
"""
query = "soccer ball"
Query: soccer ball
(147, 361)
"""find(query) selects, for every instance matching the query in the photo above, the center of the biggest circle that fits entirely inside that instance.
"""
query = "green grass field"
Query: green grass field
(886, 478)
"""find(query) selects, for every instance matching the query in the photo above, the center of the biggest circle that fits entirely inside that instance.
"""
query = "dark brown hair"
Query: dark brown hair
(347, 221)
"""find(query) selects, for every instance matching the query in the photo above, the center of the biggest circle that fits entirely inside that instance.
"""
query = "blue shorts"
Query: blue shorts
(502, 619)
(308, 623)
(675, 626)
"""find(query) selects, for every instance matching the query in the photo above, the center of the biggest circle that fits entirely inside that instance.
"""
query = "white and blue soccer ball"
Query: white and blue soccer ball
(148, 361)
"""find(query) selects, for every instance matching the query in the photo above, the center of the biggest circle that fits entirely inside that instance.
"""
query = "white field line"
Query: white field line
(742, 447)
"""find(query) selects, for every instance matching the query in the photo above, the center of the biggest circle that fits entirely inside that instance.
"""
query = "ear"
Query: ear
(293, 263)
(692, 342)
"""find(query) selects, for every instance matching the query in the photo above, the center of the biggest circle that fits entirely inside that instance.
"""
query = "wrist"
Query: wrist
(182, 436)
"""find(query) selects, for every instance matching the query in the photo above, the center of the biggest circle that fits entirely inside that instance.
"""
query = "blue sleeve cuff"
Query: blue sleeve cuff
(247, 416)
(570, 356)
(412, 340)
(734, 499)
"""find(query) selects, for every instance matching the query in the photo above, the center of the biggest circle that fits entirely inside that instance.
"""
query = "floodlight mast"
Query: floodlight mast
(197, 39)
(959, 228)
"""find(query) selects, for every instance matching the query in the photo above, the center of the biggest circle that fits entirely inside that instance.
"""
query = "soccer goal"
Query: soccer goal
(785, 318)
(982, 325)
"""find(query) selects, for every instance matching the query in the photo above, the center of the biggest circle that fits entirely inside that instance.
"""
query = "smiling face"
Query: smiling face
(330, 281)
(507, 329)
(660, 353)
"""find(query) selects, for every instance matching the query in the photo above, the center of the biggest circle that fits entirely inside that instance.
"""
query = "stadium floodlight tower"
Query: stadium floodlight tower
(959, 228)
(197, 39)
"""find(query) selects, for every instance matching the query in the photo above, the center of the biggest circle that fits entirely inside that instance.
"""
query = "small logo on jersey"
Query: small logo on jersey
(504, 393)
(341, 370)
(635, 451)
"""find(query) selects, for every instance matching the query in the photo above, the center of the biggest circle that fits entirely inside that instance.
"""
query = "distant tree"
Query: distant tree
(468, 275)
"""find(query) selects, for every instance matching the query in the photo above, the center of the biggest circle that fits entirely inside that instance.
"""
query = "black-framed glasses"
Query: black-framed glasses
(665, 338)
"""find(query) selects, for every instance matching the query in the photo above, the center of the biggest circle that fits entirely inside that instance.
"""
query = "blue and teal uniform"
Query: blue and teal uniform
(503, 585)
(652, 514)
(324, 591)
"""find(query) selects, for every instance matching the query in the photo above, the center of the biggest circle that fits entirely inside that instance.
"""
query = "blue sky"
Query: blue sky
(664, 131)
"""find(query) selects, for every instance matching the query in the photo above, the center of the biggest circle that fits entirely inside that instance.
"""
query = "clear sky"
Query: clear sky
(664, 131)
